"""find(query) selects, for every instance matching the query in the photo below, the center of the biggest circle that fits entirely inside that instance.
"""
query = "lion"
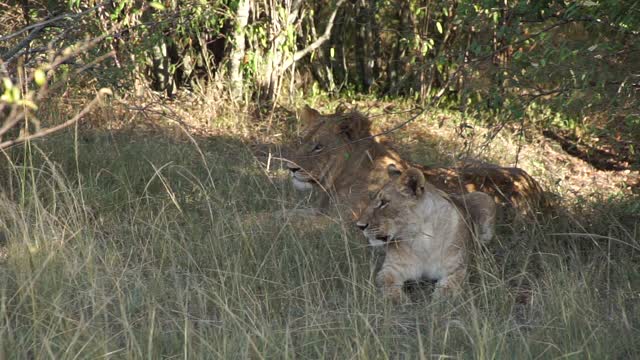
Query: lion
(340, 155)
(425, 232)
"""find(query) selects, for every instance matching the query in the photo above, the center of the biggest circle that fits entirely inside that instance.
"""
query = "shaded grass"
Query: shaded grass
(139, 247)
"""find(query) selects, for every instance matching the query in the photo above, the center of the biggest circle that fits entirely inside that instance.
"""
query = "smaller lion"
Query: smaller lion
(426, 233)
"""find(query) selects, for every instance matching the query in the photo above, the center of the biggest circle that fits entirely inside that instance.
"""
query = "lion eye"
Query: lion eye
(318, 148)
(382, 203)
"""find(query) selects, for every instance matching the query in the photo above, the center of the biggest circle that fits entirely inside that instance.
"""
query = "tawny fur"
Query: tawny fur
(339, 156)
(425, 232)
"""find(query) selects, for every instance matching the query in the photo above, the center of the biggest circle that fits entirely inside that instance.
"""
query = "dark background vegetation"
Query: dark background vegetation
(491, 59)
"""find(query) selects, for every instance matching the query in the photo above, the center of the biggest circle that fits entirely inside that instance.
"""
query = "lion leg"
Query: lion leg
(391, 285)
(451, 285)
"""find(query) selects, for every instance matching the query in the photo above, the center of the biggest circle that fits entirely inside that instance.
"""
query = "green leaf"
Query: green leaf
(156, 5)
(6, 82)
(28, 103)
(15, 94)
(439, 27)
(40, 77)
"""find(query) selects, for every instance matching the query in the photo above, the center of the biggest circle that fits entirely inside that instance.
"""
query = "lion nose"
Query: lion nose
(362, 226)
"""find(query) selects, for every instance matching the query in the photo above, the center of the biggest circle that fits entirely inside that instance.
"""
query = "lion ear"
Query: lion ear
(309, 115)
(355, 126)
(341, 108)
(393, 171)
(414, 181)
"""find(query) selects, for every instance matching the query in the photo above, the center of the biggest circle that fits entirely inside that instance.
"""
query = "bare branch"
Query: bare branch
(45, 132)
(22, 44)
(434, 101)
(14, 117)
(45, 23)
(319, 41)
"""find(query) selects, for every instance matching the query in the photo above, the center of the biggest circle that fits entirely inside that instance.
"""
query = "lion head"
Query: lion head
(399, 208)
(326, 148)
(394, 206)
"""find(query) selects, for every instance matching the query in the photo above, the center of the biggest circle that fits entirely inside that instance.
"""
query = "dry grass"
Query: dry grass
(135, 243)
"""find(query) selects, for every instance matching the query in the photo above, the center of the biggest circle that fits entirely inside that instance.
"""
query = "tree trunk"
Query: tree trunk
(362, 44)
(160, 75)
(278, 58)
(394, 64)
(237, 53)
(334, 54)
(375, 40)
(281, 15)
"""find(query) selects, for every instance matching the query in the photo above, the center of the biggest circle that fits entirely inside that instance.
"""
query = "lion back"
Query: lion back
(481, 210)
(509, 186)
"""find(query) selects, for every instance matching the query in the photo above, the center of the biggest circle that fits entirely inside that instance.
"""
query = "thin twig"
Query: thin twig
(65, 124)
(22, 44)
(421, 110)
(45, 23)
(316, 44)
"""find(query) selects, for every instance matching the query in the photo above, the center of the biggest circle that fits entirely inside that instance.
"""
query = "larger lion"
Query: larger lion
(340, 155)
(425, 232)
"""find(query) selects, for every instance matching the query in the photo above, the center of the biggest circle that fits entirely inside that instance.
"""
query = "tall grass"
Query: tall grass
(133, 246)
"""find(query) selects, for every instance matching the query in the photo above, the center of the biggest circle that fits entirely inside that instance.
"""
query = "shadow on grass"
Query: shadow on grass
(618, 157)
